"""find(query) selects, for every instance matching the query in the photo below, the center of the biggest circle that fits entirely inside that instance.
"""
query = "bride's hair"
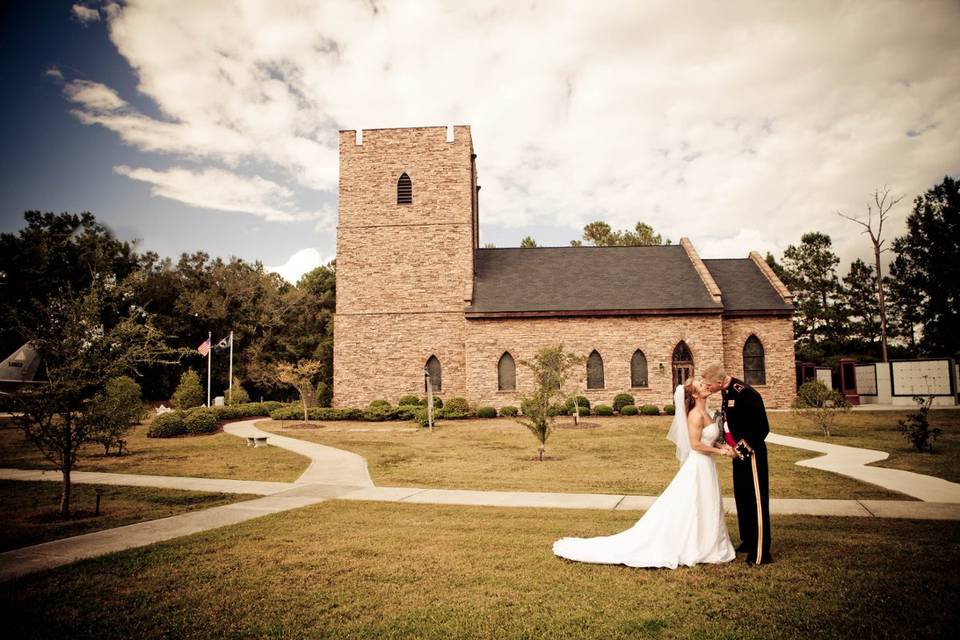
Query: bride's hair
(689, 395)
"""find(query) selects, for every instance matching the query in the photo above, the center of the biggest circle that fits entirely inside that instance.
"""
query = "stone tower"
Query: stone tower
(405, 261)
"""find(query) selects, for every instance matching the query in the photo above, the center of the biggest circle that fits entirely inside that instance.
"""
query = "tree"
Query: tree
(113, 412)
(928, 263)
(820, 405)
(811, 275)
(54, 255)
(83, 341)
(600, 234)
(860, 304)
(528, 243)
(905, 301)
(300, 376)
(550, 368)
(237, 394)
(189, 393)
(884, 204)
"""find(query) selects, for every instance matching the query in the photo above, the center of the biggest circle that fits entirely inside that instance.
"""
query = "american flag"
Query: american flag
(204, 348)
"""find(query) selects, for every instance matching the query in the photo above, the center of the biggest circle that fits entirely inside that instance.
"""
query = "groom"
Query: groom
(745, 426)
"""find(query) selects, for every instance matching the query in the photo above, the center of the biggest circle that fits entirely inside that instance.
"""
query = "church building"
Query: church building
(415, 291)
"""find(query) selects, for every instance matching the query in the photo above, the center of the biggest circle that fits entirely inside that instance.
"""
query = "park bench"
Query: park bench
(256, 441)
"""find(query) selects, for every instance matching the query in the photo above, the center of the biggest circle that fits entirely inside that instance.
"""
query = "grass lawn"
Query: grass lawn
(381, 570)
(878, 430)
(622, 455)
(219, 455)
(29, 510)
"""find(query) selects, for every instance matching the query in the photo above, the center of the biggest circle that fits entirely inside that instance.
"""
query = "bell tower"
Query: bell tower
(406, 236)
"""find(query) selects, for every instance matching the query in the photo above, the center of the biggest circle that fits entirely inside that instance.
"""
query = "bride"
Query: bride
(685, 526)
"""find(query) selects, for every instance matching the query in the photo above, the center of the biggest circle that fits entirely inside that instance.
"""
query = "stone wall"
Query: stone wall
(614, 338)
(382, 356)
(404, 271)
(776, 335)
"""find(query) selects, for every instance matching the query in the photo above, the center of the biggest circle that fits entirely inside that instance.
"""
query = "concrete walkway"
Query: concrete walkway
(327, 466)
(337, 474)
(852, 462)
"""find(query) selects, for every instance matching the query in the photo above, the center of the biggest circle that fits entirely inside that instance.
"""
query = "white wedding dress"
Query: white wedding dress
(685, 526)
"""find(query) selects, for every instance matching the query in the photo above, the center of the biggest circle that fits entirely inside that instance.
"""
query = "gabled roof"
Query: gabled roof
(550, 281)
(744, 288)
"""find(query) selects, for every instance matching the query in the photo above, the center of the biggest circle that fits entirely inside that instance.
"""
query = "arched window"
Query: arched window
(754, 367)
(638, 370)
(506, 373)
(433, 370)
(594, 371)
(682, 363)
(404, 190)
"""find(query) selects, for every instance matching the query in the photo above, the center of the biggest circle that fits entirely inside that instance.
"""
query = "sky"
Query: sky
(196, 125)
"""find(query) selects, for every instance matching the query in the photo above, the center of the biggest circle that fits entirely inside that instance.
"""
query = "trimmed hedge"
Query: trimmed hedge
(669, 409)
(201, 421)
(412, 401)
(379, 404)
(622, 400)
(650, 410)
(603, 410)
(508, 410)
(457, 405)
(168, 425)
(582, 401)
(629, 410)
(486, 412)
(295, 412)
(246, 410)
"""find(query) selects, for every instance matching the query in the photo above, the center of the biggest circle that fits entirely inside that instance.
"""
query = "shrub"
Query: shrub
(486, 412)
(669, 409)
(200, 421)
(508, 411)
(375, 404)
(295, 412)
(189, 393)
(457, 405)
(603, 410)
(558, 409)
(449, 414)
(410, 401)
(629, 410)
(820, 405)
(916, 428)
(168, 425)
(581, 401)
(650, 410)
(237, 395)
(113, 413)
(420, 415)
(622, 400)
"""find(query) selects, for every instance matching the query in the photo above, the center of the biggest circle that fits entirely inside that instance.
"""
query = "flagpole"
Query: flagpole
(209, 352)
(230, 390)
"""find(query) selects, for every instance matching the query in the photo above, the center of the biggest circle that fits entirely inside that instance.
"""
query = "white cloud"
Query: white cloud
(298, 264)
(740, 125)
(223, 191)
(85, 14)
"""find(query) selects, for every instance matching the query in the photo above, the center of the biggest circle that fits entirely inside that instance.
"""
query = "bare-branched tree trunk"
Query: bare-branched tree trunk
(884, 203)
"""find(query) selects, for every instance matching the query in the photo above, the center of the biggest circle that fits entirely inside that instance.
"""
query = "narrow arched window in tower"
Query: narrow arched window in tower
(433, 371)
(638, 370)
(506, 373)
(404, 190)
(754, 365)
(594, 371)
(682, 363)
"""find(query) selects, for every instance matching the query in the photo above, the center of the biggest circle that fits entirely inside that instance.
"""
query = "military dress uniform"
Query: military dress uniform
(745, 428)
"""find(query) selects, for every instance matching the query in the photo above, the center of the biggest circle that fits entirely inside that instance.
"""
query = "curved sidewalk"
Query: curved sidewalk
(327, 466)
(852, 462)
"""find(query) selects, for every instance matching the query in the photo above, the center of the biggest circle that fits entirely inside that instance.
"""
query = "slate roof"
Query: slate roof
(587, 281)
(744, 288)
